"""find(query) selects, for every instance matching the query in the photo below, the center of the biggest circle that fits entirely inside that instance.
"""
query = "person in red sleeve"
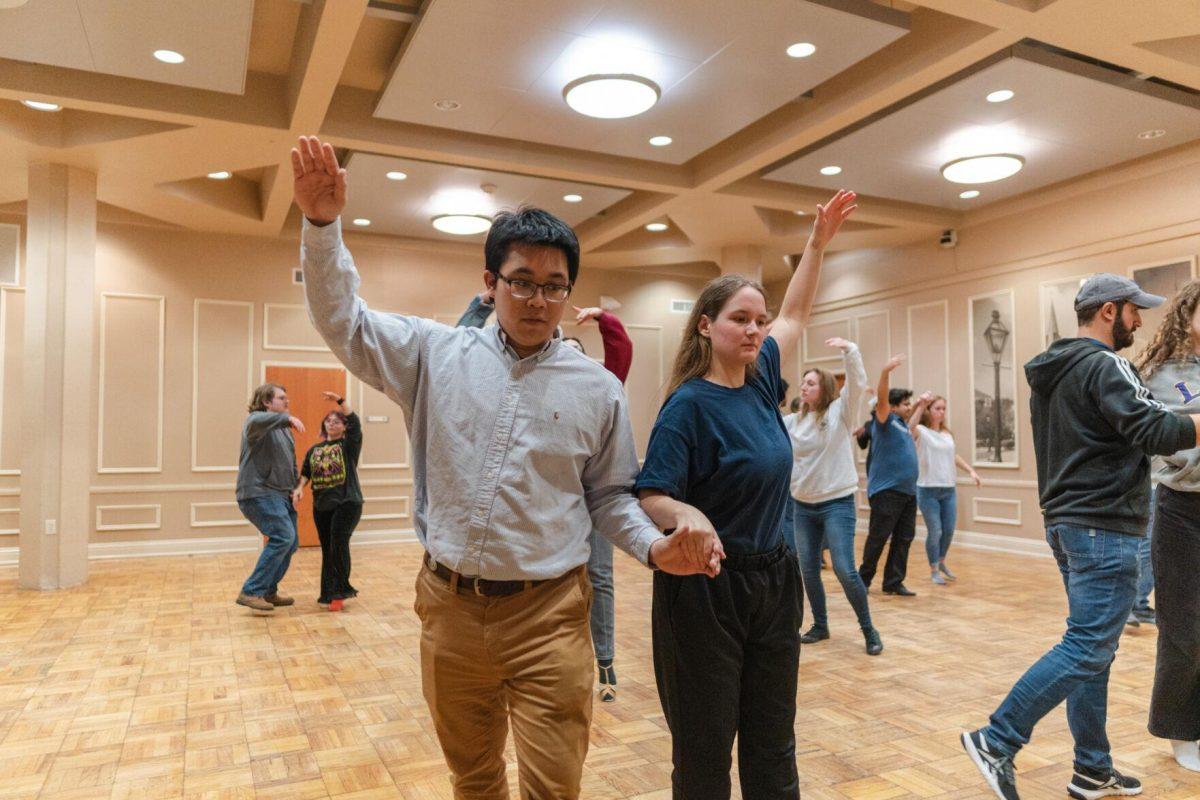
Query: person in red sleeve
(618, 356)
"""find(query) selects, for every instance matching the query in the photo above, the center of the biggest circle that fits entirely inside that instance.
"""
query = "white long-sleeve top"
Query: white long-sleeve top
(822, 457)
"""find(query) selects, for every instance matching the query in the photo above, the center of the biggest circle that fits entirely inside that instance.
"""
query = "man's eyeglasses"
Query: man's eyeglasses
(525, 290)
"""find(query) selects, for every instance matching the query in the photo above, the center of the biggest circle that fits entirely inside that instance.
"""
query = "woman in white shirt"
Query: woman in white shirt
(824, 480)
(936, 495)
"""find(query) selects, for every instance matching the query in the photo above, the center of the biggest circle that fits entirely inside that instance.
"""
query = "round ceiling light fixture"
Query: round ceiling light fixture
(831, 170)
(169, 56)
(447, 105)
(462, 224)
(396, 175)
(661, 141)
(1000, 96)
(41, 105)
(801, 50)
(656, 227)
(983, 169)
(1152, 134)
(222, 175)
(611, 96)
(969, 194)
(573, 198)
(362, 222)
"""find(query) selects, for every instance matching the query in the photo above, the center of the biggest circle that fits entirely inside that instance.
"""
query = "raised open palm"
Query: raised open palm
(319, 183)
(830, 216)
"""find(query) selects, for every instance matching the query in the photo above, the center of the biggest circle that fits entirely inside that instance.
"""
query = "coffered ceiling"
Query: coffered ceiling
(892, 92)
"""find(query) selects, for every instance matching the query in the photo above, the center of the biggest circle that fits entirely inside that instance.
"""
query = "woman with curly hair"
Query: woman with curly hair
(1171, 369)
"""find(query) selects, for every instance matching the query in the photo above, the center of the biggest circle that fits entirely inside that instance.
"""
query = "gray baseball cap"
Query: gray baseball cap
(1105, 287)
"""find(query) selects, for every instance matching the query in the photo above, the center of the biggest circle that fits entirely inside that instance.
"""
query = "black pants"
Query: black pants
(335, 526)
(1175, 553)
(894, 516)
(726, 656)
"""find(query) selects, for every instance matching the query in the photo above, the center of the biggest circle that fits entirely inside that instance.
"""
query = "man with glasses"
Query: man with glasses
(519, 446)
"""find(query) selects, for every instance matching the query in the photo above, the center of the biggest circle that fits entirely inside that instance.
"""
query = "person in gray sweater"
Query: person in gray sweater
(268, 488)
(1172, 367)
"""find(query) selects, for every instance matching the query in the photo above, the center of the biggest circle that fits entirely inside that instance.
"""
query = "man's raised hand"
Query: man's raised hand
(319, 183)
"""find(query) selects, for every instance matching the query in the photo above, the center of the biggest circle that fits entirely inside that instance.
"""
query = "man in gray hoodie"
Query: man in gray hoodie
(1094, 426)
(268, 488)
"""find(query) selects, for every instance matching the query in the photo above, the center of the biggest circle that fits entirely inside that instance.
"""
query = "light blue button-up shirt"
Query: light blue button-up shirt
(514, 460)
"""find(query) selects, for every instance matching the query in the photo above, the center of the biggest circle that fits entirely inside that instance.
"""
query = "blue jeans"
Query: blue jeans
(275, 518)
(1145, 568)
(939, 509)
(1099, 570)
(603, 618)
(830, 523)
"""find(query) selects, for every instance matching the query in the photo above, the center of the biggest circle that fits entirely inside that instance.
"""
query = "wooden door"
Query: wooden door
(304, 386)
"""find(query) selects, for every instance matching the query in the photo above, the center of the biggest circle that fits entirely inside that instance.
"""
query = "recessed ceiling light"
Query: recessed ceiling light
(169, 56)
(447, 105)
(661, 141)
(983, 169)
(801, 50)
(573, 198)
(39, 105)
(223, 175)
(611, 96)
(1152, 134)
(396, 176)
(462, 224)
(969, 194)
(831, 170)
(656, 227)
(362, 222)
(799, 212)
(1000, 96)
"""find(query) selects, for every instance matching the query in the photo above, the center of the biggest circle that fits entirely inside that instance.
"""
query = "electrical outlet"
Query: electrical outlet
(51, 527)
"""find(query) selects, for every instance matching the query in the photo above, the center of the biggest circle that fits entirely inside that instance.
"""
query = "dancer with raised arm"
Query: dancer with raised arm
(520, 446)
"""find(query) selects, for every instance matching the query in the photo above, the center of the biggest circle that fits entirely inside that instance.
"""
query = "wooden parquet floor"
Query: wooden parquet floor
(149, 682)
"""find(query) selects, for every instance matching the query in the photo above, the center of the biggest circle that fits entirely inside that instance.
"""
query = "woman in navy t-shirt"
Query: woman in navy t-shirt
(727, 649)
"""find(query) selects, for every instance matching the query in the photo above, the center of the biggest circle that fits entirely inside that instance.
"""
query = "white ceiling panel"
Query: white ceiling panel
(1062, 123)
(407, 207)
(119, 38)
(703, 54)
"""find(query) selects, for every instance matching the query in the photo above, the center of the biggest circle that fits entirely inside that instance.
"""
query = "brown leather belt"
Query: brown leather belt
(479, 586)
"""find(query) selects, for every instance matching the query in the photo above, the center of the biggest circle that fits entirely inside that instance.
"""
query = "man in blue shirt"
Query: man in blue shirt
(891, 485)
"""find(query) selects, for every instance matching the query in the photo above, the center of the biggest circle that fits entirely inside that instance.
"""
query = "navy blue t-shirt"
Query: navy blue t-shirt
(893, 457)
(726, 452)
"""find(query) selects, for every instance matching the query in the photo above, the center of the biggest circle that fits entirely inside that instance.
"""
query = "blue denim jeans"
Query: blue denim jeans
(830, 523)
(1099, 570)
(939, 509)
(1145, 567)
(603, 619)
(275, 518)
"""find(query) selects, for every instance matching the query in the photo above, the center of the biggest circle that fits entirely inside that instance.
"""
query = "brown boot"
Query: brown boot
(255, 603)
(279, 600)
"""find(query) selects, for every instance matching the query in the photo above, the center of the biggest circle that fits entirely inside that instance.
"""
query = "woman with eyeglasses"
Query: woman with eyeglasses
(727, 649)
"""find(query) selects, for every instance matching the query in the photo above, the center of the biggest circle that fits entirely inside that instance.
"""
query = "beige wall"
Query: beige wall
(186, 322)
(1144, 216)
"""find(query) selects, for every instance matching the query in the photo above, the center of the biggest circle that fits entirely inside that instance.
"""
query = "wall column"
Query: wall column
(56, 420)
(742, 259)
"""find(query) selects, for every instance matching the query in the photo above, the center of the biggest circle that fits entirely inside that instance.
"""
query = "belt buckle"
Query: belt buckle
(475, 583)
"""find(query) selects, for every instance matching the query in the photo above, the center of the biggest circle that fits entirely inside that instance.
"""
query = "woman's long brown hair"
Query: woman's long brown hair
(695, 351)
(1173, 339)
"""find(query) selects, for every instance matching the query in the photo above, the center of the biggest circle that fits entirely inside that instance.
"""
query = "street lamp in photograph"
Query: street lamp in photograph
(996, 336)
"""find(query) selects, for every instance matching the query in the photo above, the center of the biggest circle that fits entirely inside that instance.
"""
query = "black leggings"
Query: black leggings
(1175, 553)
(335, 526)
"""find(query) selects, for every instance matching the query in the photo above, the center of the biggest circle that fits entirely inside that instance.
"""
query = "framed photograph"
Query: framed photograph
(1164, 279)
(992, 328)
(1058, 308)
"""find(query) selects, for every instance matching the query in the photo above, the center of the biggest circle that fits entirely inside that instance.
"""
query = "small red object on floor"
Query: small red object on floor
(335, 605)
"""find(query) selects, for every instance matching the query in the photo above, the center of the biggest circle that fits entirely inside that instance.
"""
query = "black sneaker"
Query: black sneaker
(608, 682)
(1089, 784)
(874, 643)
(815, 634)
(1145, 615)
(996, 769)
(900, 590)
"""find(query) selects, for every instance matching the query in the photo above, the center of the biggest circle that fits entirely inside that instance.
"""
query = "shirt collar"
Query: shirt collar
(548, 350)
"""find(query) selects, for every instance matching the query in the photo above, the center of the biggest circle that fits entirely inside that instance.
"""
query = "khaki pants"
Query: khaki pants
(527, 656)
